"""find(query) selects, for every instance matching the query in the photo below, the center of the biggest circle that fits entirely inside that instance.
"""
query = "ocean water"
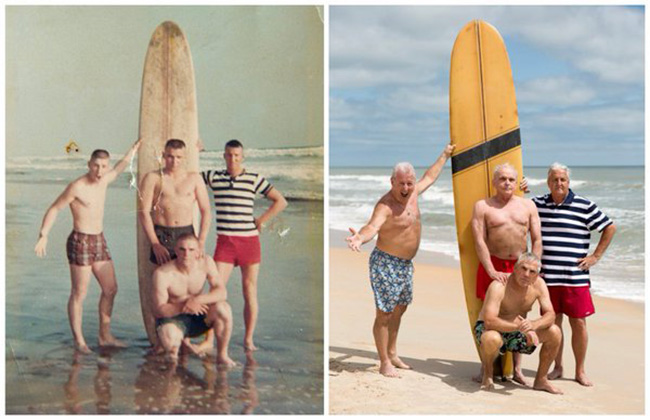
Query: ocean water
(618, 191)
(44, 376)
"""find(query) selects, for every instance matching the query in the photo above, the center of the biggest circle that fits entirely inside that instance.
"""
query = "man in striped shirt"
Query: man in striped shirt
(238, 243)
(567, 220)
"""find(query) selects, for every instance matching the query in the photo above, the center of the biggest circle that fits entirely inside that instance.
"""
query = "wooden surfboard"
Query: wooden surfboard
(167, 110)
(484, 126)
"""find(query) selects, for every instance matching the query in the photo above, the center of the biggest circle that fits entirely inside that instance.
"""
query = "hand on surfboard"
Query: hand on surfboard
(523, 185)
(354, 240)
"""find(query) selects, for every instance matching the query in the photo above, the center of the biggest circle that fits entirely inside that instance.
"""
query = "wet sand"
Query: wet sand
(435, 340)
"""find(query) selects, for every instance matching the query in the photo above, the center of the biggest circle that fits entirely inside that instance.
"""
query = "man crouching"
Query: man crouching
(502, 324)
(182, 310)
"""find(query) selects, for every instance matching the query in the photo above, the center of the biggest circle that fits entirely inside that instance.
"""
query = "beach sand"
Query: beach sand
(435, 340)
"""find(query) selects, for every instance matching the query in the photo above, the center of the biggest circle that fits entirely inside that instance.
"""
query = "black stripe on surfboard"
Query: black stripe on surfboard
(485, 151)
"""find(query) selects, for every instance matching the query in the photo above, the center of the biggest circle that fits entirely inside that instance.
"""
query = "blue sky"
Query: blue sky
(578, 72)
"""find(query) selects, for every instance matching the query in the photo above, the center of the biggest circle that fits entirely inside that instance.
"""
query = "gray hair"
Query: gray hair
(529, 257)
(504, 166)
(405, 167)
(559, 167)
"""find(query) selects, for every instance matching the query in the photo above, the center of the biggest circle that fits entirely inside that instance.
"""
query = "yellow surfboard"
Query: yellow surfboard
(484, 126)
(167, 110)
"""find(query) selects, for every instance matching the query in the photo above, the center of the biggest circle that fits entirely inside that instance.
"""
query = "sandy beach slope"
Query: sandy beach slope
(435, 340)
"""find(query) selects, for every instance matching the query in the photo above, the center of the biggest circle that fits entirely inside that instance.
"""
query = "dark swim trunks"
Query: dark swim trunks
(483, 280)
(514, 341)
(167, 236)
(85, 249)
(191, 325)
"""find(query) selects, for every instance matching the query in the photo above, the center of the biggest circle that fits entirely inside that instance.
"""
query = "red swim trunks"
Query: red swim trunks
(575, 302)
(238, 250)
(483, 280)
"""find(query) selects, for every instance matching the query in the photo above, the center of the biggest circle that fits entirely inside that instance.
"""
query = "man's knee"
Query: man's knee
(578, 324)
(553, 335)
(170, 336)
(110, 291)
(383, 318)
(491, 341)
(221, 311)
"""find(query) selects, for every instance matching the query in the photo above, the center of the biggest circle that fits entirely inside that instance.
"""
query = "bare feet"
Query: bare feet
(82, 348)
(545, 385)
(556, 373)
(250, 346)
(583, 380)
(206, 346)
(193, 348)
(225, 361)
(111, 341)
(397, 362)
(519, 378)
(487, 384)
(388, 370)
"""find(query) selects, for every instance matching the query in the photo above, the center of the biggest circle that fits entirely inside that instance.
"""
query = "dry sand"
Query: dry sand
(435, 339)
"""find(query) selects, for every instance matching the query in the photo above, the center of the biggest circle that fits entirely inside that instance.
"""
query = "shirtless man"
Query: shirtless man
(502, 323)
(396, 218)
(86, 247)
(181, 308)
(501, 225)
(167, 209)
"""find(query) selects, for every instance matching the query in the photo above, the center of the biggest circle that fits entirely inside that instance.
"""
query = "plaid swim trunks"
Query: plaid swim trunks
(391, 279)
(85, 249)
(514, 341)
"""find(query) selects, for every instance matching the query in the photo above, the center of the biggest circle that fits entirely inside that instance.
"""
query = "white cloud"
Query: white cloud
(557, 91)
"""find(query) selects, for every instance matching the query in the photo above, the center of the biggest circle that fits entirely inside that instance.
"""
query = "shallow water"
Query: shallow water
(43, 375)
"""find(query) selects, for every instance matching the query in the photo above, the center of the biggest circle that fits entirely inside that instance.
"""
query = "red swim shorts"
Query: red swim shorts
(238, 250)
(575, 302)
(483, 280)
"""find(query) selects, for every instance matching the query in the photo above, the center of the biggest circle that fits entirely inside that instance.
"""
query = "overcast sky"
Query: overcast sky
(578, 72)
(76, 72)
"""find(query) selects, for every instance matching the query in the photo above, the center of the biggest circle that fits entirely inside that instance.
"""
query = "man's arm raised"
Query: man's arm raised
(120, 166)
(66, 197)
(434, 170)
(368, 231)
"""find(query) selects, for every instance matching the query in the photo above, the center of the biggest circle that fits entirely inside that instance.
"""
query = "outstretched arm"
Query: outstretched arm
(121, 165)
(66, 197)
(433, 172)
(370, 229)
(279, 204)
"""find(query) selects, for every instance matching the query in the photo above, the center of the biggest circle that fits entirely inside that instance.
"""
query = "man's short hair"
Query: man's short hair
(186, 236)
(233, 143)
(405, 167)
(175, 144)
(557, 166)
(529, 257)
(504, 166)
(100, 154)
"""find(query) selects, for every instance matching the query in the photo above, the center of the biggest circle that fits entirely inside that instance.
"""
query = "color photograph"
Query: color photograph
(486, 210)
(164, 210)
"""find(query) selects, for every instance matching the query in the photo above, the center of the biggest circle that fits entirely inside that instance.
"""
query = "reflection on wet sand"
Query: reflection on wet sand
(165, 388)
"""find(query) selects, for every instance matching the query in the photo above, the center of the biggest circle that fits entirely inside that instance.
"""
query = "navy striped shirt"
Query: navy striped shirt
(233, 200)
(566, 232)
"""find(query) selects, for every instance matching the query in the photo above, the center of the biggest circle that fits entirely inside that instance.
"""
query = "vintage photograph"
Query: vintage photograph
(164, 210)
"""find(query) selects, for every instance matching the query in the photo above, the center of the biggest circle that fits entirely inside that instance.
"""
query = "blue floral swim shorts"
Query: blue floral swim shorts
(391, 279)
